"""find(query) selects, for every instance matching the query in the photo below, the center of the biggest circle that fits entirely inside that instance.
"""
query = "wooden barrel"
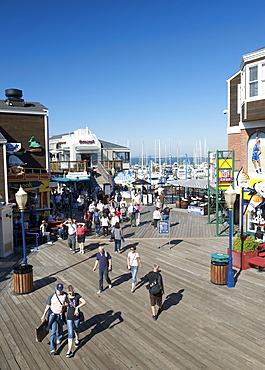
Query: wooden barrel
(23, 279)
(219, 272)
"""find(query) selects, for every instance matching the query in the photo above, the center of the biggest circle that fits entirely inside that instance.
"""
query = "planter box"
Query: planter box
(236, 255)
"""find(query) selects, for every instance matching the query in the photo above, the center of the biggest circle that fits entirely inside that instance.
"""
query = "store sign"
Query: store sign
(196, 210)
(225, 173)
(123, 178)
(86, 141)
(64, 165)
(31, 185)
(77, 175)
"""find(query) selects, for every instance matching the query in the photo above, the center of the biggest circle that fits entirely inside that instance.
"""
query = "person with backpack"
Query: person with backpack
(156, 290)
(132, 214)
(55, 307)
(104, 263)
(117, 235)
(96, 220)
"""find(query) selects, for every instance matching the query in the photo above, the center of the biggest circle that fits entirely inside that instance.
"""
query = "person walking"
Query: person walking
(96, 220)
(117, 235)
(74, 302)
(105, 224)
(80, 232)
(156, 290)
(131, 213)
(133, 263)
(56, 306)
(44, 233)
(137, 214)
(104, 263)
(156, 217)
(71, 226)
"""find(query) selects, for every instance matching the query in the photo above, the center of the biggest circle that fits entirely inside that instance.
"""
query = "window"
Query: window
(253, 81)
(256, 80)
(263, 78)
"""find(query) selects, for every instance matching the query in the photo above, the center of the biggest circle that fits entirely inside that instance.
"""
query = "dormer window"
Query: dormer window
(253, 81)
(256, 80)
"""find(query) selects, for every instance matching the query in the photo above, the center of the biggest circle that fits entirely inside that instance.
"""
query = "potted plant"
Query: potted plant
(244, 247)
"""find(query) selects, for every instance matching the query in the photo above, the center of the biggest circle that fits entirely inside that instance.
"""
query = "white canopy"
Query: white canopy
(192, 183)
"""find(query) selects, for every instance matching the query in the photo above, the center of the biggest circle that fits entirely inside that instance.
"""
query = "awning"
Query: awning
(67, 179)
(191, 183)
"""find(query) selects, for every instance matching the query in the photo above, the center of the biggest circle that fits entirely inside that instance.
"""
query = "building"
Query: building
(246, 136)
(24, 158)
(246, 110)
(83, 145)
(76, 154)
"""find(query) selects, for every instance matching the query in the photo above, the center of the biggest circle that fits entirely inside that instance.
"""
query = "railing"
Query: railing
(69, 166)
(102, 170)
(108, 165)
(81, 166)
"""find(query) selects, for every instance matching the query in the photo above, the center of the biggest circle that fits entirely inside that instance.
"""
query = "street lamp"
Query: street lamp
(230, 198)
(21, 199)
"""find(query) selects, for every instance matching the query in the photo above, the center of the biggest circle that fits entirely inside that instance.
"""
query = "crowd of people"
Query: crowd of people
(106, 218)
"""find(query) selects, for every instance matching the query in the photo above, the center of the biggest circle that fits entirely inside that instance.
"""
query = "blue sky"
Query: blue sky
(136, 70)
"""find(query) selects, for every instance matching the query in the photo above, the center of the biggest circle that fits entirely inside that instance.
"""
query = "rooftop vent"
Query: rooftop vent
(14, 97)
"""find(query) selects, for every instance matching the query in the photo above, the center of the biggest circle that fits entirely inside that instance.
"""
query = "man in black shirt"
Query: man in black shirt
(156, 290)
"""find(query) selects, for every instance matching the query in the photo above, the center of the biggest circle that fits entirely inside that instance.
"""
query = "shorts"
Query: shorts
(81, 238)
(156, 299)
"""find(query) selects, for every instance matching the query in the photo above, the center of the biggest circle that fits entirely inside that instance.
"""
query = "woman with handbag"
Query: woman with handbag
(133, 263)
(75, 302)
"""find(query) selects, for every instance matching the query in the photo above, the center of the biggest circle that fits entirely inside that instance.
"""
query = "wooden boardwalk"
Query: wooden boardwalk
(203, 326)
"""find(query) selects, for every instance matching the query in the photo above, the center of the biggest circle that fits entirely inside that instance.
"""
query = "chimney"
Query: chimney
(14, 98)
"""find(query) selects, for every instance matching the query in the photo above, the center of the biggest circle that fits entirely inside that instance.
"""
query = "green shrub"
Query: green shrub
(249, 243)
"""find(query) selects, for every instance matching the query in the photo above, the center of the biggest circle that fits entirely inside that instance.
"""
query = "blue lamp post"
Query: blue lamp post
(230, 198)
(21, 199)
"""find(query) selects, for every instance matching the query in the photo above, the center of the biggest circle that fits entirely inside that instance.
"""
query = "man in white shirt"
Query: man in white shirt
(71, 234)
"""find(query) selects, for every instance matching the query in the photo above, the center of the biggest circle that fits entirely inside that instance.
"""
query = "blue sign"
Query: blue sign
(163, 227)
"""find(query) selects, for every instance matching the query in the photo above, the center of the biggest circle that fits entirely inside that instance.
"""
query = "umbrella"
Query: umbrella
(141, 182)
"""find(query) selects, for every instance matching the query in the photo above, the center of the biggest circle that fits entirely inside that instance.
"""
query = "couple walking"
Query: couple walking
(57, 304)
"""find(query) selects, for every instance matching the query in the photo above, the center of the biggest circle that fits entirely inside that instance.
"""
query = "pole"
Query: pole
(230, 275)
(23, 238)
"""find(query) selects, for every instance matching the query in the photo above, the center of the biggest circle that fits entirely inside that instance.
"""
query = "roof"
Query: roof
(2, 139)
(108, 145)
(29, 107)
(253, 56)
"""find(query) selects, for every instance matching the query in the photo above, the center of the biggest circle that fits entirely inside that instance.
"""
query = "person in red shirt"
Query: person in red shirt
(80, 232)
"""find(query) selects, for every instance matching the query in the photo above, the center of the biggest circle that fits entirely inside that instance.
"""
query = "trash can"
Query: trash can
(219, 268)
(23, 279)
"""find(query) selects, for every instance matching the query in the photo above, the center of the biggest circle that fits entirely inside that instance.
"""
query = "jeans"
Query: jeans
(104, 273)
(72, 241)
(56, 332)
(72, 328)
(134, 270)
(97, 228)
(48, 236)
(165, 217)
(117, 245)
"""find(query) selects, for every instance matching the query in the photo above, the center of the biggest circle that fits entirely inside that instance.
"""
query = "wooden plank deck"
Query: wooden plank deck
(203, 326)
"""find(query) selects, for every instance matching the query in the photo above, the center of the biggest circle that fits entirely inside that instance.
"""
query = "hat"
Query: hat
(59, 286)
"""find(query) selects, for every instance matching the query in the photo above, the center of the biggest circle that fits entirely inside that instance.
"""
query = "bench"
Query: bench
(257, 262)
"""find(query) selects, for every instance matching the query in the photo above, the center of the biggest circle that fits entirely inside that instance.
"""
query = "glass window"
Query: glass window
(253, 78)
(253, 89)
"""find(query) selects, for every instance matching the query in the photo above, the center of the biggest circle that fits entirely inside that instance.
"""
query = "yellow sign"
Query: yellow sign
(225, 173)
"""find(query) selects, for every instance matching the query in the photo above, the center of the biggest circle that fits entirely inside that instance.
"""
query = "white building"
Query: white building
(83, 145)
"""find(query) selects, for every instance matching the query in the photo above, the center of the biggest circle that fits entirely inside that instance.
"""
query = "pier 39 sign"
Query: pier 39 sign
(124, 178)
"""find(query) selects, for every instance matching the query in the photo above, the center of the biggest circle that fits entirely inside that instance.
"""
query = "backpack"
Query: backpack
(96, 220)
(155, 286)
